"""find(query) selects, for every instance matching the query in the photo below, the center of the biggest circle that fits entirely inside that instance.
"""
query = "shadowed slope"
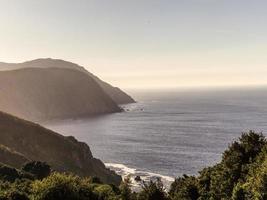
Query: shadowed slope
(11, 158)
(31, 141)
(115, 93)
(52, 93)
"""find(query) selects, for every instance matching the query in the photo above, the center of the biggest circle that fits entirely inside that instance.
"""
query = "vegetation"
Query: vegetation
(39, 169)
(241, 175)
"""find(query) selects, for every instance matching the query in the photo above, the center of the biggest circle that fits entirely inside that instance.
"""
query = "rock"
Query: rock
(137, 179)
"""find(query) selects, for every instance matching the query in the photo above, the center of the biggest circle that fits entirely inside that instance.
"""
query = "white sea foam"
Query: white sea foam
(124, 170)
(145, 176)
(133, 107)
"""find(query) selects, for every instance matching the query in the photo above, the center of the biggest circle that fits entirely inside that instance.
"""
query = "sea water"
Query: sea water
(170, 133)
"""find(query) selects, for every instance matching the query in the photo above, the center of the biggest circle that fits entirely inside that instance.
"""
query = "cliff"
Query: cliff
(29, 141)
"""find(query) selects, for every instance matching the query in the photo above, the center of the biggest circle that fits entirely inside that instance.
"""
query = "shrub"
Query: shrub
(125, 189)
(15, 195)
(105, 192)
(153, 191)
(8, 173)
(39, 169)
(185, 188)
(62, 186)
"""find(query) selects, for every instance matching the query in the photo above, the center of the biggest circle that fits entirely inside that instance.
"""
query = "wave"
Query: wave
(145, 176)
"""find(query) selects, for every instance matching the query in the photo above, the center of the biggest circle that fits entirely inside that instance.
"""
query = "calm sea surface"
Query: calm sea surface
(170, 133)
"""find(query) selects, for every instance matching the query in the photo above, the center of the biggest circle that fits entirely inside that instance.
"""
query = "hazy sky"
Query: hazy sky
(143, 43)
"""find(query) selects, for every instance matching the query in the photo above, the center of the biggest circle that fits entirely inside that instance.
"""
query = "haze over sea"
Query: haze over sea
(170, 133)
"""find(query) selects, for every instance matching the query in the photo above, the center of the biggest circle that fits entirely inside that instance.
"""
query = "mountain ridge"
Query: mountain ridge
(118, 96)
(41, 94)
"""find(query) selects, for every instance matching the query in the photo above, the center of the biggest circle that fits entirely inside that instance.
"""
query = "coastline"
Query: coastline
(145, 176)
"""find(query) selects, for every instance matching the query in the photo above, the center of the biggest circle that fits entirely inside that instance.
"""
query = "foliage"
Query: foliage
(20, 189)
(241, 175)
(105, 192)
(39, 169)
(153, 191)
(228, 178)
(96, 180)
(62, 186)
(8, 173)
(185, 187)
(125, 189)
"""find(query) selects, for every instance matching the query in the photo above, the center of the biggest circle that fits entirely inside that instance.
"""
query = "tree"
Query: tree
(15, 195)
(239, 193)
(61, 186)
(185, 188)
(39, 169)
(154, 190)
(8, 173)
(235, 165)
(239, 175)
(105, 192)
(125, 189)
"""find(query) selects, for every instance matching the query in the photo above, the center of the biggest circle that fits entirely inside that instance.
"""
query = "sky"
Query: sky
(143, 43)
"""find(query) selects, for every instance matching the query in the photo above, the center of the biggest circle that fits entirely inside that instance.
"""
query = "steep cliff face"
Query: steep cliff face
(115, 93)
(30, 141)
(51, 93)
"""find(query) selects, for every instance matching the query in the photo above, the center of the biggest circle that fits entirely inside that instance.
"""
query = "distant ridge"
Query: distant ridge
(39, 94)
(115, 93)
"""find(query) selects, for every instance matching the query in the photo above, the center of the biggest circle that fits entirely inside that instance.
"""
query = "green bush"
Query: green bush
(185, 188)
(125, 189)
(154, 190)
(62, 186)
(39, 169)
(15, 195)
(105, 192)
(8, 173)
(18, 190)
(233, 178)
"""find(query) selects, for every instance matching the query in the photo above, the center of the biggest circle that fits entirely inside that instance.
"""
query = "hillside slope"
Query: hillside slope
(31, 141)
(115, 93)
(51, 93)
(11, 158)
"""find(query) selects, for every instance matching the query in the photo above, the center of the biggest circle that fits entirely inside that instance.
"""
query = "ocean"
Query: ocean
(170, 133)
